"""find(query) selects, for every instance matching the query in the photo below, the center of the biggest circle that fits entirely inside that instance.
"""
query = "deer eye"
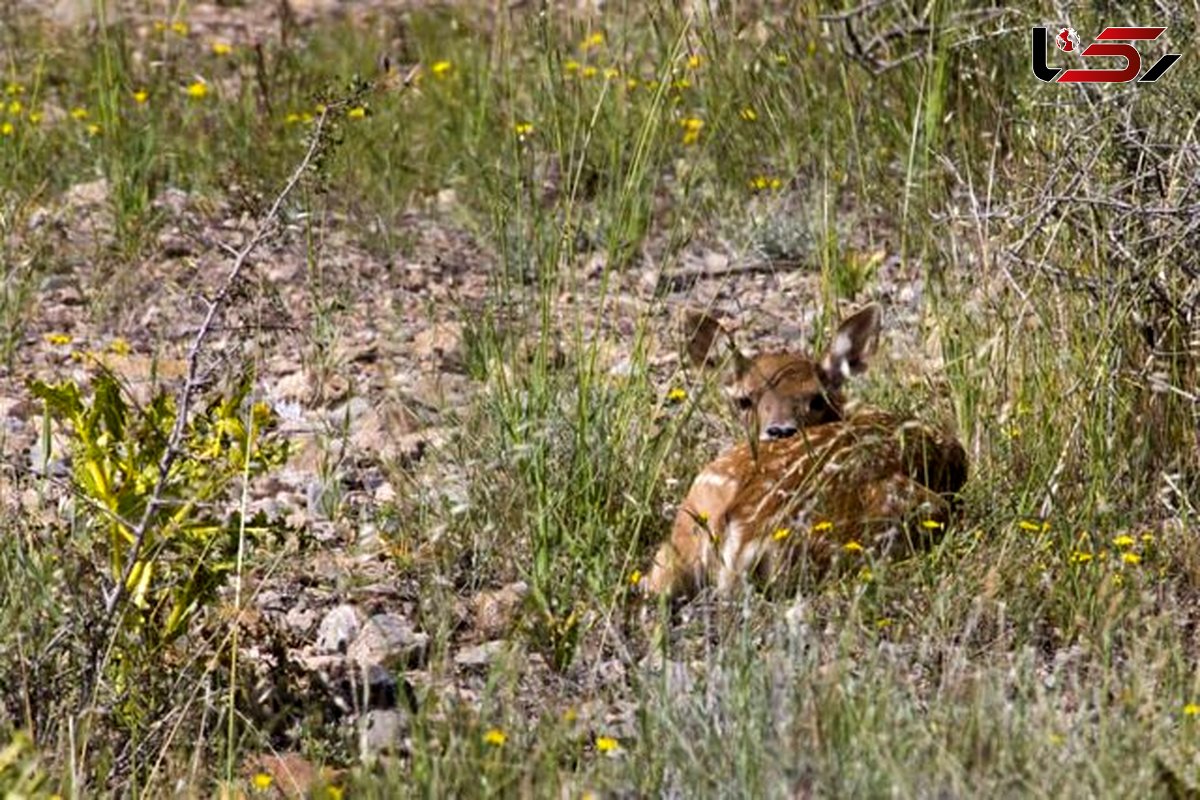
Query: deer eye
(818, 404)
(744, 403)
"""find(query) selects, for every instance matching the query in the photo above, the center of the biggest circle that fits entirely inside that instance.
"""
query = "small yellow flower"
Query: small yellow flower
(635, 577)
(571, 65)
(35, 117)
(781, 58)
(677, 394)
(1080, 557)
(495, 737)
(612, 73)
(179, 28)
(702, 517)
(693, 62)
(681, 84)
(6, 129)
(1131, 558)
(334, 792)
(748, 114)
(883, 622)
(823, 526)
(865, 575)
(570, 715)
(1191, 710)
(119, 346)
(594, 40)
(523, 129)
(221, 48)
(320, 108)
(1148, 538)
(197, 90)
(781, 534)
(1124, 540)
(631, 84)
(852, 547)
(79, 112)
(691, 129)
(932, 525)
(1033, 526)
(589, 72)
(358, 112)
(58, 339)
(93, 129)
(607, 744)
(159, 26)
(141, 96)
(261, 782)
(440, 68)
(15, 107)
(294, 117)
(762, 183)
(14, 88)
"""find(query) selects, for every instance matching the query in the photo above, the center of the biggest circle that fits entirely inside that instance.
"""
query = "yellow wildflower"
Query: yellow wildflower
(180, 28)
(702, 517)
(58, 338)
(781, 534)
(691, 129)
(334, 792)
(748, 114)
(14, 88)
(932, 525)
(595, 40)
(763, 182)
(589, 72)
(693, 62)
(495, 737)
(119, 346)
(781, 58)
(6, 129)
(570, 715)
(140, 96)
(1131, 558)
(631, 84)
(221, 48)
(1033, 526)
(523, 129)
(635, 577)
(607, 744)
(677, 395)
(1124, 540)
(823, 526)
(79, 112)
(197, 90)
(852, 547)
(440, 68)
(93, 129)
(1079, 557)
(612, 73)
(883, 622)
(358, 112)
(261, 782)
(320, 108)
(681, 84)
(15, 107)
(1191, 710)
(35, 117)
(1147, 537)
(571, 65)
(865, 575)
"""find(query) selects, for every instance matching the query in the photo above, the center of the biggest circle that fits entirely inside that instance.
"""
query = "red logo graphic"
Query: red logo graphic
(1111, 43)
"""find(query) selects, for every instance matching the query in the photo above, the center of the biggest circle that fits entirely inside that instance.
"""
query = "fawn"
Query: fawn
(812, 480)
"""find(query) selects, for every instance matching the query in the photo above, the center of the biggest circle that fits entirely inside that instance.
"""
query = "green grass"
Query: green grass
(1034, 652)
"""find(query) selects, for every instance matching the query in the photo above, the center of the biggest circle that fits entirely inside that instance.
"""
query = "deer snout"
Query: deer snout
(779, 430)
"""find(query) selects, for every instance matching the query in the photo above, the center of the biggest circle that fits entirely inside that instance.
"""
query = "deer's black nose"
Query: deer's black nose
(780, 431)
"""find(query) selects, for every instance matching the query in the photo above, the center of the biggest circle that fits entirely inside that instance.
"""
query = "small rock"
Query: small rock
(481, 655)
(496, 610)
(338, 630)
(389, 640)
(382, 732)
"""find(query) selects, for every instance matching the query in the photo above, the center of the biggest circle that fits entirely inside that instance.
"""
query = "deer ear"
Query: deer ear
(853, 343)
(700, 330)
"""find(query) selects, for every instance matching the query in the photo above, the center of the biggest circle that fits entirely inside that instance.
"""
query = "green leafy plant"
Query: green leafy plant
(117, 453)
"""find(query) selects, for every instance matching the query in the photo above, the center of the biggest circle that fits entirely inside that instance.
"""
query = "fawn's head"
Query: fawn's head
(777, 394)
